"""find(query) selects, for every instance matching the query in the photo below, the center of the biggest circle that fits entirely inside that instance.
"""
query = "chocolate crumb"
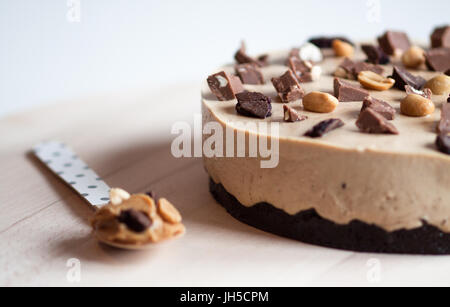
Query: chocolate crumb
(441, 37)
(252, 104)
(403, 78)
(324, 127)
(249, 74)
(344, 186)
(352, 68)
(447, 72)
(444, 123)
(438, 59)
(301, 69)
(136, 221)
(151, 194)
(324, 42)
(291, 116)
(346, 92)
(426, 92)
(393, 42)
(370, 121)
(443, 143)
(242, 57)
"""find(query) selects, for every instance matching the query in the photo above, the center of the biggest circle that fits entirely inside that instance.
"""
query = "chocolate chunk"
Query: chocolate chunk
(393, 42)
(379, 106)
(263, 59)
(224, 86)
(426, 92)
(291, 116)
(301, 69)
(249, 74)
(327, 42)
(242, 57)
(370, 121)
(346, 92)
(151, 194)
(448, 99)
(447, 72)
(136, 221)
(444, 123)
(254, 104)
(441, 37)
(403, 78)
(288, 87)
(324, 127)
(350, 69)
(443, 143)
(375, 55)
(438, 59)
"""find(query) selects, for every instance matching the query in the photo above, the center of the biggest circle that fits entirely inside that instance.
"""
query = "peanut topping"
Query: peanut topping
(343, 49)
(320, 102)
(374, 81)
(416, 106)
(168, 212)
(413, 57)
(439, 85)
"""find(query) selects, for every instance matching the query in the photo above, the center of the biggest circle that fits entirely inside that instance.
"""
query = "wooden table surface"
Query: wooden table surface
(126, 138)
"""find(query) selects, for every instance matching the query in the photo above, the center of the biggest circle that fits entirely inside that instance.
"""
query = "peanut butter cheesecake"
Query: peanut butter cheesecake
(359, 136)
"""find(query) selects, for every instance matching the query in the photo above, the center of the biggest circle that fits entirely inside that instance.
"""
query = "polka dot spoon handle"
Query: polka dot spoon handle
(62, 161)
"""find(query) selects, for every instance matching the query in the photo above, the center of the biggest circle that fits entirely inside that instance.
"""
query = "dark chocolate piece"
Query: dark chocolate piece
(136, 221)
(375, 55)
(443, 143)
(379, 106)
(441, 37)
(301, 69)
(444, 123)
(327, 42)
(346, 92)
(448, 99)
(438, 59)
(224, 86)
(242, 57)
(447, 72)
(151, 194)
(288, 87)
(253, 104)
(324, 127)
(291, 116)
(309, 227)
(370, 121)
(403, 78)
(426, 92)
(249, 74)
(263, 59)
(393, 42)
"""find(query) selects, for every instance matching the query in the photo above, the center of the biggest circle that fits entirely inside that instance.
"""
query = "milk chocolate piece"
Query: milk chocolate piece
(379, 106)
(291, 116)
(324, 127)
(438, 59)
(242, 57)
(254, 104)
(402, 78)
(370, 121)
(250, 74)
(327, 42)
(444, 123)
(426, 92)
(393, 42)
(136, 221)
(288, 87)
(441, 37)
(375, 55)
(346, 92)
(263, 59)
(443, 143)
(301, 69)
(224, 86)
(353, 69)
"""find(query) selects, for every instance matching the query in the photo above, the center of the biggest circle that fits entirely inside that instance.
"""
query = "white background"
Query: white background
(127, 44)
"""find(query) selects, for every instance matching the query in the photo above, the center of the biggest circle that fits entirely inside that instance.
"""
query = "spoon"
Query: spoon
(65, 164)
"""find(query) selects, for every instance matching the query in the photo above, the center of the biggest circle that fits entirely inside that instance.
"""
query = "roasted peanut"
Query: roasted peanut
(439, 85)
(320, 102)
(374, 81)
(413, 57)
(342, 49)
(168, 211)
(416, 106)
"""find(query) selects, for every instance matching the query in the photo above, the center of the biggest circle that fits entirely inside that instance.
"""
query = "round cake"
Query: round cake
(376, 186)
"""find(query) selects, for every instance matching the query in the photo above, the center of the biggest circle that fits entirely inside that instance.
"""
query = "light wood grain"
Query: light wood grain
(126, 139)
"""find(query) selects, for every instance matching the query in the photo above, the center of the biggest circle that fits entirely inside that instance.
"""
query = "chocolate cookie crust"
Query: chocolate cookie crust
(309, 227)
